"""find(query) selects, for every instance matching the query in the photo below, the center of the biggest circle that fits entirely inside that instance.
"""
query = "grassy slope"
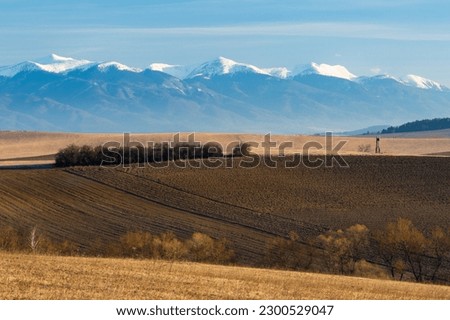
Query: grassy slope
(49, 277)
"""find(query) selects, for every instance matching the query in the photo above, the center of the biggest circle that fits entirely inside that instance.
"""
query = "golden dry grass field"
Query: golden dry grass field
(50, 277)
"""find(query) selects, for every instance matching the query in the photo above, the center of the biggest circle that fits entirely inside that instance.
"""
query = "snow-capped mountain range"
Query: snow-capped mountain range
(220, 66)
(59, 93)
(57, 64)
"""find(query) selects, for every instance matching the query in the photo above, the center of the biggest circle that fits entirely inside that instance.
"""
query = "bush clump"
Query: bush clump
(85, 155)
(199, 248)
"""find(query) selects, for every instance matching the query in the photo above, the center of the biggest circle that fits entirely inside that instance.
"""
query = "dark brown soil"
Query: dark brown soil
(247, 206)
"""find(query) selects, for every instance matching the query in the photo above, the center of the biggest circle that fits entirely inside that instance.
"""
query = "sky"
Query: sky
(395, 37)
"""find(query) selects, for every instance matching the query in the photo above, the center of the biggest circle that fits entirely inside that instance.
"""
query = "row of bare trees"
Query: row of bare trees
(397, 250)
(22, 240)
(199, 248)
(136, 244)
(400, 250)
(403, 247)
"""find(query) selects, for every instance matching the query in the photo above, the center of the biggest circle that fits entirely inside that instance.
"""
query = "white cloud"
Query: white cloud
(314, 29)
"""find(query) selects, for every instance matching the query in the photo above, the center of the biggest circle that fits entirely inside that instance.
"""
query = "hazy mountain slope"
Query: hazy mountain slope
(65, 94)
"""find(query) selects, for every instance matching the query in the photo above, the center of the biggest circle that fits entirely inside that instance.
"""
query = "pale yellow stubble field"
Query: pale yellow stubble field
(49, 277)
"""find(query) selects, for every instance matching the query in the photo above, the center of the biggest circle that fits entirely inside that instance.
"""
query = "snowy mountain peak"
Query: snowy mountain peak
(58, 64)
(221, 66)
(279, 72)
(54, 58)
(323, 69)
(105, 66)
(382, 77)
(177, 71)
(55, 63)
(52, 63)
(422, 83)
(162, 67)
(11, 71)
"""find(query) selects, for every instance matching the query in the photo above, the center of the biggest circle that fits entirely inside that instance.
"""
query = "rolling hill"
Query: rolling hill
(45, 277)
(92, 206)
(34, 148)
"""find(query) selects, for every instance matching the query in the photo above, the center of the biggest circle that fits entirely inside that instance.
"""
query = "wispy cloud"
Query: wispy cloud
(316, 29)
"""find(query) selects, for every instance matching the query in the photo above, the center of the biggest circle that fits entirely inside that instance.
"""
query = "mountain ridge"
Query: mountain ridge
(224, 96)
(58, 64)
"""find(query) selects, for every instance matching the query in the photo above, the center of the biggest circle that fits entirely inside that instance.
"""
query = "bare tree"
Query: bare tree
(388, 252)
(439, 248)
(344, 247)
(364, 148)
(408, 244)
(34, 239)
(203, 248)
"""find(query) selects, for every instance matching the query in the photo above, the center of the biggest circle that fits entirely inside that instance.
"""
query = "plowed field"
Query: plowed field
(247, 206)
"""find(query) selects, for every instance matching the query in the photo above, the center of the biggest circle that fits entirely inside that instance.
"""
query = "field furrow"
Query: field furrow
(68, 207)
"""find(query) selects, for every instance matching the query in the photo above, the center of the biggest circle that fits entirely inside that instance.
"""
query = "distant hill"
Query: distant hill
(363, 131)
(420, 125)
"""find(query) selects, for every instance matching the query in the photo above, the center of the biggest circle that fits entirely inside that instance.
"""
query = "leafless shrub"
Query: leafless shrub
(10, 239)
(369, 270)
(288, 253)
(138, 244)
(170, 248)
(364, 148)
(343, 247)
(200, 247)
(68, 248)
(203, 248)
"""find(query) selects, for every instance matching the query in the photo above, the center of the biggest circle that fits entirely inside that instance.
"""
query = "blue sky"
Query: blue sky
(368, 37)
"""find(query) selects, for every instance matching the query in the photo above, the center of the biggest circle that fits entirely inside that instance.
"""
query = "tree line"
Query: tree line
(86, 155)
(400, 251)
(199, 247)
(420, 125)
